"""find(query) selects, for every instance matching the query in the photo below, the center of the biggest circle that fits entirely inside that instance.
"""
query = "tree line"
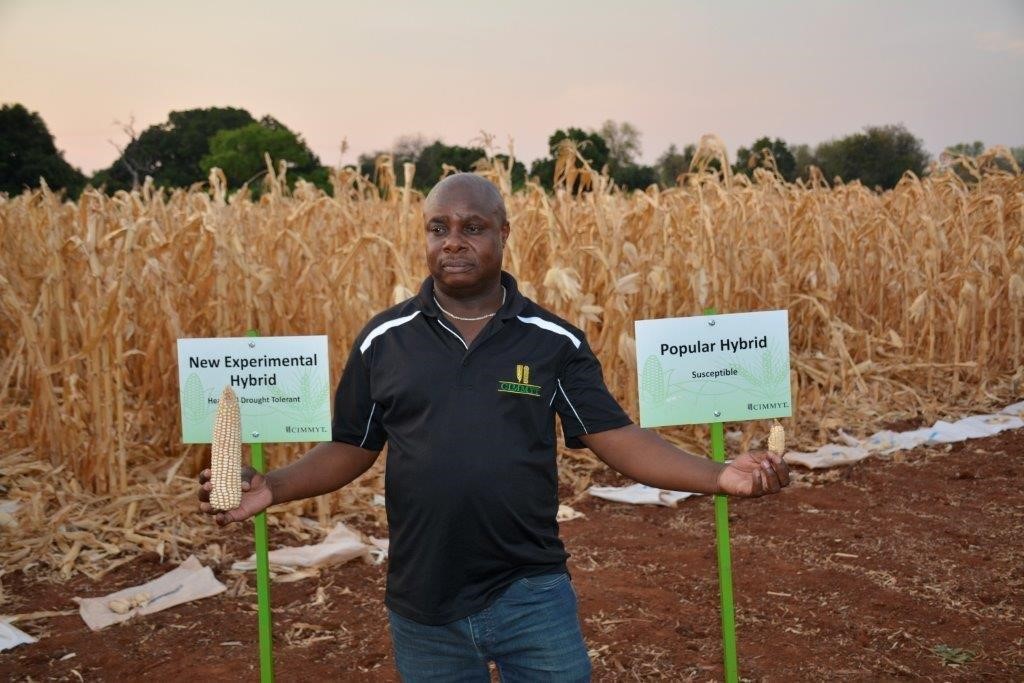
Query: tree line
(181, 151)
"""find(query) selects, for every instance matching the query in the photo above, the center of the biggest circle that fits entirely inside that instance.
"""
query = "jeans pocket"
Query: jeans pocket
(545, 582)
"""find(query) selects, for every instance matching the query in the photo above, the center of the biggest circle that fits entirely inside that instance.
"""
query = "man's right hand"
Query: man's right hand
(256, 497)
(324, 468)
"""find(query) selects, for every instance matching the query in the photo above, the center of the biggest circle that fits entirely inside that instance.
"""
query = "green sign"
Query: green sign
(282, 384)
(713, 368)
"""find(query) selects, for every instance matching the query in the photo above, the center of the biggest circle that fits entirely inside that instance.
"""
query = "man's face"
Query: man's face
(465, 237)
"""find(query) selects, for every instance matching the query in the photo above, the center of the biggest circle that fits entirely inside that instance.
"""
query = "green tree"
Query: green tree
(672, 164)
(405, 149)
(976, 149)
(804, 157)
(635, 176)
(518, 172)
(591, 146)
(543, 171)
(747, 159)
(367, 164)
(962, 149)
(623, 140)
(409, 147)
(171, 152)
(28, 153)
(430, 160)
(239, 153)
(877, 157)
(967, 149)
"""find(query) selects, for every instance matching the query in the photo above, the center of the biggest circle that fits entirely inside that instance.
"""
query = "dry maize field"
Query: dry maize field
(907, 304)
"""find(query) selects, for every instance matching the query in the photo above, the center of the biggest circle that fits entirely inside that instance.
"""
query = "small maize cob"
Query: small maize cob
(777, 439)
(126, 605)
(120, 606)
(226, 460)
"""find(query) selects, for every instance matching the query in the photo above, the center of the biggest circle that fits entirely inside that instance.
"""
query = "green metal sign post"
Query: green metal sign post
(262, 570)
(724, 563)
(263, 579)
(730, 660)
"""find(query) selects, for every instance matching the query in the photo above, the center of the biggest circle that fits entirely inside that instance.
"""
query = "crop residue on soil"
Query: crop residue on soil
(885, 569)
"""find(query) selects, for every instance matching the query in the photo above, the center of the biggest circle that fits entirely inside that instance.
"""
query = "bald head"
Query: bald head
(481, 191)
(466, 228)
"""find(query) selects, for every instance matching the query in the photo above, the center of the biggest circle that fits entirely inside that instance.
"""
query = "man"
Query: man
(463, 383)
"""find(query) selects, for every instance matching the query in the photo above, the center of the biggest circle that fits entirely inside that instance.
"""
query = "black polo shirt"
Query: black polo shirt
(471, 484)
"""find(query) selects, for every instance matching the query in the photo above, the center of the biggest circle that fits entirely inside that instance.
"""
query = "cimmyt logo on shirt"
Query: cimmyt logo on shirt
(521, 385)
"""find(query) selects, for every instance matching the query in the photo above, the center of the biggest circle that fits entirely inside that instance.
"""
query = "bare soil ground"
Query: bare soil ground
(879, 571)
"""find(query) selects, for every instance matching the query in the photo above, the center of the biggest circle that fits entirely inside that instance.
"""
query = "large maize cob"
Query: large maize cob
(226, 460)
(777, 439)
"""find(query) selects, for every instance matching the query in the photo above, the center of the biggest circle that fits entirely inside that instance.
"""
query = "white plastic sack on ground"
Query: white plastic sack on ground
(188, 581)
(1015, 409)
(850, 451)
(640, 494)
(12, 637)
(885, 442)
(973, 427)
(340, 546)
(829, 455)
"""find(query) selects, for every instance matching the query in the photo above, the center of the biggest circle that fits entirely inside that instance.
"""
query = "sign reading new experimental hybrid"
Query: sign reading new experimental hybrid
(282, 384)
(713, 368)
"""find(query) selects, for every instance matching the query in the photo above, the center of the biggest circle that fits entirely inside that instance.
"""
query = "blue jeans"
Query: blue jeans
(531, 633)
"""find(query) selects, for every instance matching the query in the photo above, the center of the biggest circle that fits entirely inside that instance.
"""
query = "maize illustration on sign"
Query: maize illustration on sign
(193, 398)
(653, 381)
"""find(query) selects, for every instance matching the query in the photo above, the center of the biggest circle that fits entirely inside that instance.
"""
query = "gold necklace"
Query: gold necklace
(469, 320)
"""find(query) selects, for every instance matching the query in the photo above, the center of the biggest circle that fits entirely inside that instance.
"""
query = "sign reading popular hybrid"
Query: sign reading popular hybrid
(282, 384)
(713, 368)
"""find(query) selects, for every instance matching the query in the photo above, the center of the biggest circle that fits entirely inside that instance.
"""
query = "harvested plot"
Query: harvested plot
(881, 570)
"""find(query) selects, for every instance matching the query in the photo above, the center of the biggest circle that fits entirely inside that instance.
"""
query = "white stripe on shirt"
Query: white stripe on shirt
(382, 328)
(551, 327)
(559, 383)
(369, 421)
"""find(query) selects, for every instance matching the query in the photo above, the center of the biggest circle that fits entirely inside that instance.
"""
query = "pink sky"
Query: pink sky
(801, 70)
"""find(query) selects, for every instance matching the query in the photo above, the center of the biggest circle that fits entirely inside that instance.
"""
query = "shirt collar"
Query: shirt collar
(514, 300)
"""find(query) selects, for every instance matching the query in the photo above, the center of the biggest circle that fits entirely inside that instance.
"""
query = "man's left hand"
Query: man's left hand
(754, 474)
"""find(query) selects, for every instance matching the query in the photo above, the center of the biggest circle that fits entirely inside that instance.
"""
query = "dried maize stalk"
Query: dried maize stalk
(777, 439)
(226, 460)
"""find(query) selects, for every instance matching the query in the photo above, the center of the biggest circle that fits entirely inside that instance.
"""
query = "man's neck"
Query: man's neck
(466, 302)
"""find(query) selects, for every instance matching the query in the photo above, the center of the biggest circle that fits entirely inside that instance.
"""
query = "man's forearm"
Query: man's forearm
(324, 468)
(645, 457)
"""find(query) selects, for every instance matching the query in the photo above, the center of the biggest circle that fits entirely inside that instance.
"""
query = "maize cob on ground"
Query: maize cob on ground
(777, 439)
(126, 605)
(226, 459)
